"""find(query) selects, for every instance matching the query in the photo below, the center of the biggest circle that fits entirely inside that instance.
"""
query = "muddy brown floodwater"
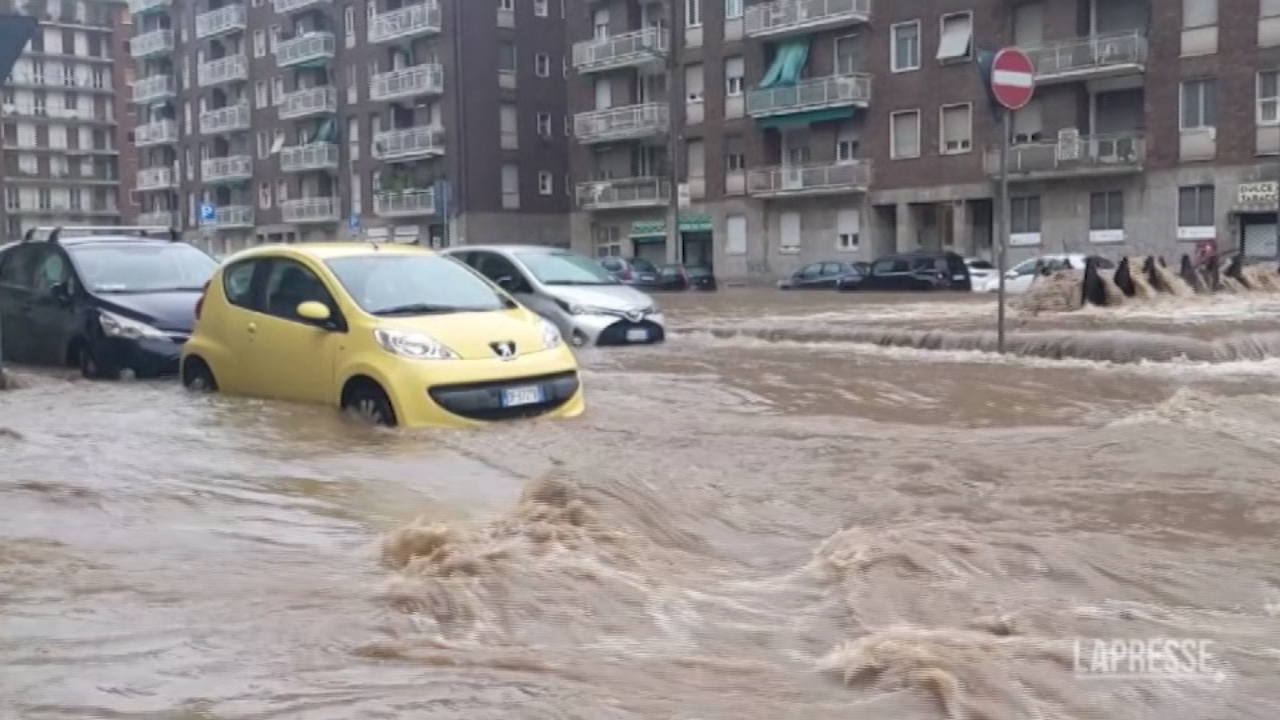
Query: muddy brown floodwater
(769, 517)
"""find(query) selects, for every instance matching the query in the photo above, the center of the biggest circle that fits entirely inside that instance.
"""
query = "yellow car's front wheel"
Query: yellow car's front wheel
(368, 401)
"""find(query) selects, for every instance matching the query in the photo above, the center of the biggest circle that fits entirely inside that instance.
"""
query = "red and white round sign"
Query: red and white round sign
(1013, 78)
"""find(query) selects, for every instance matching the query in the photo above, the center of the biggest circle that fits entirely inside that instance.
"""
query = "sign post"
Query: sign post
(1012, 83)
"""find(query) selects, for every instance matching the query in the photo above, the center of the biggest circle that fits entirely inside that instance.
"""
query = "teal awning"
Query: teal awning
(655, 231)
(807, 117)
(788, 62)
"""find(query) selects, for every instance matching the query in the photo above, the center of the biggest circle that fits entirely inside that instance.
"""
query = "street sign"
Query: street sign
(1013, 78)
(355, 222)
(208, 213)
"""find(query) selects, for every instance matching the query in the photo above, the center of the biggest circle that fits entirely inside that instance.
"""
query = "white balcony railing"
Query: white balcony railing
(407, 22)
(1074, 156)
(623, 193)
(231, 216)
(621, 123)
(312, 101)
(788, 16)
(633, 48)
(232, 118)
(409, 143)
(286, 7)
(154, 42)
(227, 169)
(159, 178)
(306, 48)
(811, 179)
(310, 210)
(231, 18)
(834, 91)
(316, 156)
(160, 132)
(158, 218)
(408, 82)
(405, 203)
(233, 68)
(1084, 57)
(151, 89)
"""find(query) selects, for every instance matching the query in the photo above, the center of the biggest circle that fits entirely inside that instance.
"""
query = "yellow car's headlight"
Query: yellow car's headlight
(413, 345)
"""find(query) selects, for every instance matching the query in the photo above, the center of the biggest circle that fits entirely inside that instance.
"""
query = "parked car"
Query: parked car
(684, 277)
(918, 271)
(1019, 278)
(589, 305)
(632, 271)
(118, 300)
(980, 271)
(396, 333)
(823, 275)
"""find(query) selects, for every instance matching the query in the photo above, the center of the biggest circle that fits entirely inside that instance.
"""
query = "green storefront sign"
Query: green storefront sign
(655, 231)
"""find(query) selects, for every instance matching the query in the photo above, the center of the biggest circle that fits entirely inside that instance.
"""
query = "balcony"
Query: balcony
(809, 180)
(312, 101)
(160, 132)
(316, 156)
(633, 49)
(637, 192)
(408, 143)
(408, 82)
(232, 18)
(286, 7)
(785, 17)
(824, 93)
(232, 118)
(159, 218)
(632, 122)
(1073, 156)
(158, 178)
(142, 7)
(153, 89)
(406, 203)
(148, 44)
(236, 168)
(406, 23)
(310, 210)
(232, 68)
(310, 48)
(1090, 58)
(231, 216)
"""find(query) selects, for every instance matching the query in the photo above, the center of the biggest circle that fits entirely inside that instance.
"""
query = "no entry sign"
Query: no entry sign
(1013, 78)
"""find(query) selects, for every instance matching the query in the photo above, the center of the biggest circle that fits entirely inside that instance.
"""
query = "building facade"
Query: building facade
(820, 129)
(440, 121)
(62, 126)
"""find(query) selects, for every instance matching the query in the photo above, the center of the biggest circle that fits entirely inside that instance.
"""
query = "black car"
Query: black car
(914, 272)
(822, 275)
(121, 300)
(633, 271)
(684, 277)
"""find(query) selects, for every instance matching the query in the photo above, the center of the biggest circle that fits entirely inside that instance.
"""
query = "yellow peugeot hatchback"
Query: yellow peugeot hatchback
(399, 334)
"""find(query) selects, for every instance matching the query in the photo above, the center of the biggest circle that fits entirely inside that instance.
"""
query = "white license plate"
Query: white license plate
(957, 278)
(638, 335)
(515, 397)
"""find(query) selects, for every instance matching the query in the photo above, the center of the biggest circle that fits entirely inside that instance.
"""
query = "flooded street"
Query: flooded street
(788, 511)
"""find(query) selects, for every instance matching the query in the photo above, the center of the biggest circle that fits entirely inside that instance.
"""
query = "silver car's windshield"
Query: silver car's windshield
(566, 268)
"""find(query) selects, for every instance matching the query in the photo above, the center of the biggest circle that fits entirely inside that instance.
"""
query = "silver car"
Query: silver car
(590, 306)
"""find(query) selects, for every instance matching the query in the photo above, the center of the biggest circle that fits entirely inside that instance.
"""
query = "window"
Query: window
(546, 183)
(733, 9)
(98, 78)
(693, 87)
(510, 186)
(542, 65)
(1199, 13)
(289, 285)
(1106, 213)
(1199, 104)
(237, 283)
(955, 37)
(693, 13)
(735, 156)
(904, 46)
(541, 8)
(1270, 8)
(273, 38)
(505, 5)
(508, 126)
(264, 145)
(544, 124)
(848, 229)
(12, 198)
(44, 199)
(264, 195)
(349, 21)
(789, 225)
(846, 55)
(904, 135)
(734, 76)
(69, 101)
(1025, 215)
(600, 24)
(277, 90)
(506, 57)
(955, 128)
(259, 44)
(1269, 97)
(735, 235)
(282, 190)
(18, 270)
(847, 145)
(75, 198)
(1195, 206)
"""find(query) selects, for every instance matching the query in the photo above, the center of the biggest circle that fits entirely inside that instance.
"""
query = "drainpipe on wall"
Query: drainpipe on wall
(675, 128)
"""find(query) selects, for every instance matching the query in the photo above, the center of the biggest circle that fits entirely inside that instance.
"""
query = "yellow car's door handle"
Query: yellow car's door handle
(253, 328)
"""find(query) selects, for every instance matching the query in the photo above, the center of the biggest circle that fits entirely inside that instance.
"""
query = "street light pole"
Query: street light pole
(675, 128)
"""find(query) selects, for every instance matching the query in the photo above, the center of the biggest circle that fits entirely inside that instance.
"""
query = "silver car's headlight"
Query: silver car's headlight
(551, 337)
(575, 309)
(114, 325)
(413, 345)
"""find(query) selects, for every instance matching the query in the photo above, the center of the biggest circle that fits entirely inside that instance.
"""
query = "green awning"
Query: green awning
(644, 231)
(807, 117)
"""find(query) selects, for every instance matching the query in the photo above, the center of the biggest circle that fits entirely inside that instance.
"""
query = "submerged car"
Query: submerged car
(1020, 277)
(105, 300)
(916, 271)
(589, 305)
(396, 333)
(823, 276)
(632, 271)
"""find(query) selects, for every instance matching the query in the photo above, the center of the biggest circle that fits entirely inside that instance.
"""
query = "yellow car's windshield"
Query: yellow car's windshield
(392, 284)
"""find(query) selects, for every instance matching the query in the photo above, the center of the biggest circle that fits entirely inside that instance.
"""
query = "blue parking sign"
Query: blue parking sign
(355, 222)
(208, 213)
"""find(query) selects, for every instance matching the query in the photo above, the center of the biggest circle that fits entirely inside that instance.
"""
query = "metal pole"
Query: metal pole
(675, 128)
(1003, 224)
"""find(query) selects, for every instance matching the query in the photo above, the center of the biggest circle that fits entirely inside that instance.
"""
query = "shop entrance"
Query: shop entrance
(1258, 235)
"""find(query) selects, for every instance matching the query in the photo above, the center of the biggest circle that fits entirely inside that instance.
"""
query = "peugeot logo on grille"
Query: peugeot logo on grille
(505, 349)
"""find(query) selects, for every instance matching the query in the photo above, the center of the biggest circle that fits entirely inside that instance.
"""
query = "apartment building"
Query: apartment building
(61, 124)
(438, 121)
(853, 128)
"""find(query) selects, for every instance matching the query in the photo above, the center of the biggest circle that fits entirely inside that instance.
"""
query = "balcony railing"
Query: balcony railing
(408, 82)
(286, 7)
(231, 216)
(792, 16)
(142, 7)
(306, 48)
(160, 132)
(312, 101)
(153, 89)
(409, 143)
(316, 156)
(621, 123)
(154, 42)
(407, 22)
(1090, 57)
(310, 210)
(232, 118)
(231, 18)
(812, 179)
(405, 203)
(1074, 156)
(227, 169)
(629, 49)
(233, 68)
(853, 90)
(158, 218)
(159, 178)
(623, 193)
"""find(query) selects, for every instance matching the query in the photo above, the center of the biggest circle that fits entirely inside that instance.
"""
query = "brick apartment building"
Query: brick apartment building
(851, 128)
(318, 119)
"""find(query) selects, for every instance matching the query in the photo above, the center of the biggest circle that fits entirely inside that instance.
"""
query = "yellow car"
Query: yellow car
(400, 334)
